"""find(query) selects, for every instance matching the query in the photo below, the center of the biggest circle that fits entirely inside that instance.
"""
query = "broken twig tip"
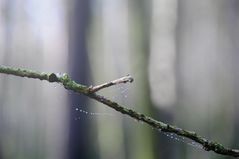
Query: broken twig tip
(131, 79)
(124, 79)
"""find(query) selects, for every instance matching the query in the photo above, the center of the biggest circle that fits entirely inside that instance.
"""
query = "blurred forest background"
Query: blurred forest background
(183, 55)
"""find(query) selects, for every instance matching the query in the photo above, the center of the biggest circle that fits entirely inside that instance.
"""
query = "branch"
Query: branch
(125, 79)
(69, 84)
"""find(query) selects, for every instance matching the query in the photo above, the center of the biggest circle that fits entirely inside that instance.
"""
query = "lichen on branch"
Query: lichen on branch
(90, 91)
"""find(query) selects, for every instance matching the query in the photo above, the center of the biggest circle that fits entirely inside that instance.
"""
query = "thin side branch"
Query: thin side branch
(124, 79)
(69, 84)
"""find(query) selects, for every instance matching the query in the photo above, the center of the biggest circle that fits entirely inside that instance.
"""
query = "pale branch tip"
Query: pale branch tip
(69, 84)
(125, 79)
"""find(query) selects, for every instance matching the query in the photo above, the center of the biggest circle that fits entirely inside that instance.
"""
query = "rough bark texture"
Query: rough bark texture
(69, 84)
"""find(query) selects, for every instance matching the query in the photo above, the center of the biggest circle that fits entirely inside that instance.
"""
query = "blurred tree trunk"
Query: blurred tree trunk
(162, 68)
(6, 53)
(119, 37)
(232, 22)
(109, 59)
(30, 113)
(205, 89)
(142, 143)
(80, 140)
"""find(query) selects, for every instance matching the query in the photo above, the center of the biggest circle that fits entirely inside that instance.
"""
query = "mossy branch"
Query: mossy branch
(90, 91)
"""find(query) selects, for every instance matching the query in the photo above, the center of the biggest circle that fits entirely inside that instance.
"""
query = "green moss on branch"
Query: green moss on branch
(69, 84)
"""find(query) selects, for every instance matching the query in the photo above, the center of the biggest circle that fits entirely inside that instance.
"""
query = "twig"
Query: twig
(124, 79)
(90, 92)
